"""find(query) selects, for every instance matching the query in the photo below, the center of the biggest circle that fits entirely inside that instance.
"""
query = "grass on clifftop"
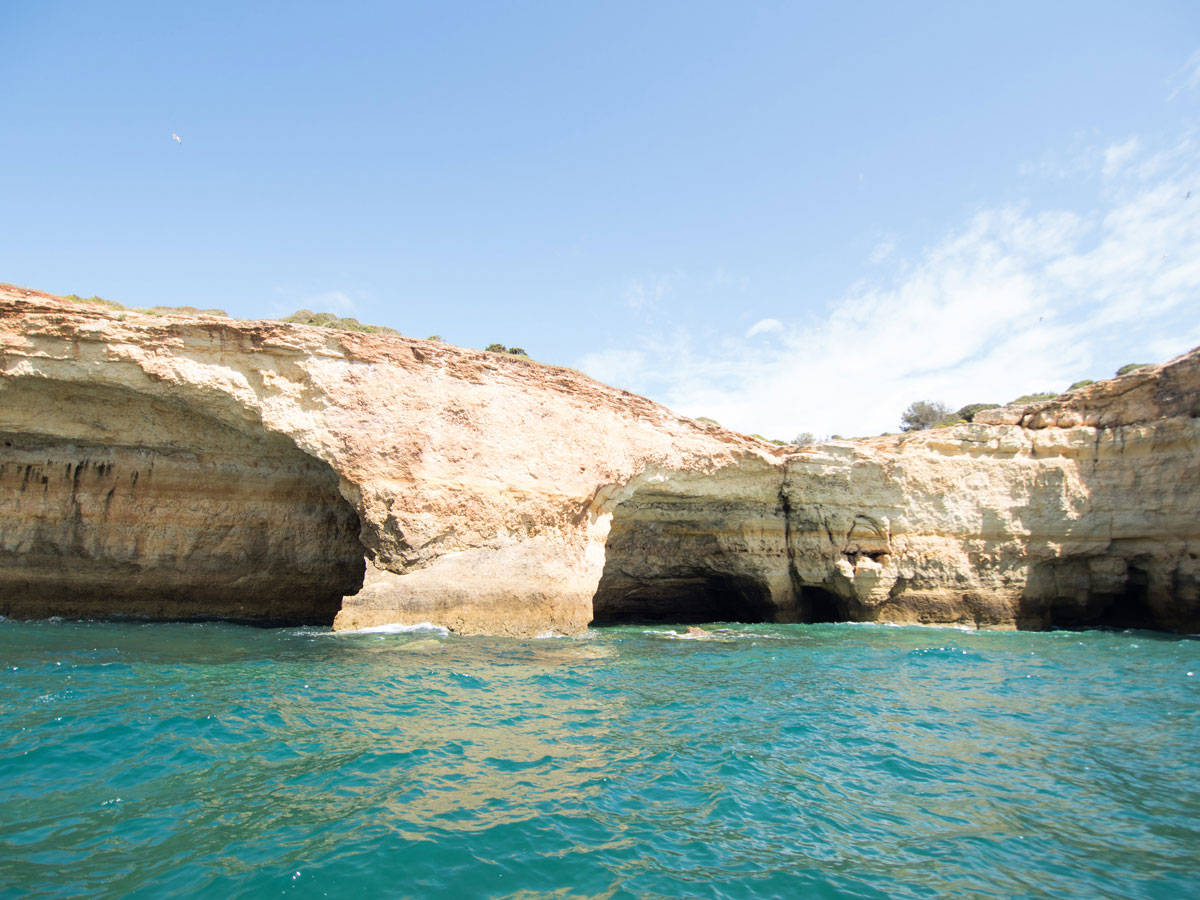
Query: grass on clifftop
(329, 320)
(149, 310)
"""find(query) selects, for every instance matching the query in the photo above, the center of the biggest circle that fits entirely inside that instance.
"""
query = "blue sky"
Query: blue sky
(788, 217)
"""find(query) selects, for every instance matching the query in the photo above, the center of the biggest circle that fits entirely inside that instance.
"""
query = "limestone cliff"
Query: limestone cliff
(176, 467)
(197, 465)
(1078, 511)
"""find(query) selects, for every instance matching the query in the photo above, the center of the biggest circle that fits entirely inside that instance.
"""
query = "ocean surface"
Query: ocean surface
(797, 761)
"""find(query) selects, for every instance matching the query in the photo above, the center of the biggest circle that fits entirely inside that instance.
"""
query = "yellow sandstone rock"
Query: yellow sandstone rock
(191, 466)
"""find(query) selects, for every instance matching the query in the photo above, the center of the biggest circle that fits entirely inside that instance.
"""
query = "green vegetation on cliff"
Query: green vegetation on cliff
(509, 351)
(1032, 398)
(329, 320)
(923, 414)
(149, 310)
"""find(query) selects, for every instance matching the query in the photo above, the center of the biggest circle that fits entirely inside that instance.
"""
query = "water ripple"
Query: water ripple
(770, 761)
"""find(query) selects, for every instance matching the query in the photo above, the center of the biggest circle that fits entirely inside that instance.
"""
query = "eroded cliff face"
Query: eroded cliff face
(198, 466)
(112, 502)
(1075, 512)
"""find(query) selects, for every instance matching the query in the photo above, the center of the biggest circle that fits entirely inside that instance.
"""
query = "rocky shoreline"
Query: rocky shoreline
(197, 466)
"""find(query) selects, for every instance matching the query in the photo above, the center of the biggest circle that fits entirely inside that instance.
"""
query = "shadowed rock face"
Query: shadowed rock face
(176, 467)
(685, 548)
(116, 503)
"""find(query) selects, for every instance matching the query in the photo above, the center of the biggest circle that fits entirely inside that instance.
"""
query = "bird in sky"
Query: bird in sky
(177, 138)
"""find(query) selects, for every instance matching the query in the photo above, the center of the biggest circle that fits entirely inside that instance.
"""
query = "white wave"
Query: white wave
(397, 628)
(681, 635)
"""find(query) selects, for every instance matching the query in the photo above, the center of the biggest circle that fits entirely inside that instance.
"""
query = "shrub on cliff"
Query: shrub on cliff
(967, 413)
(1032, 398)
(1084, 383)
(922, 414)
(804, 438)
(511, 351)
(1132, 367)
(95, 301)
(329, 320)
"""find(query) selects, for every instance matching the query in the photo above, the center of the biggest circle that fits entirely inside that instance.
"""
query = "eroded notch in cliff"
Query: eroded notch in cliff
(116, 504)
(820, 605)
(684, 599)
(674, 556)
(1090, 591)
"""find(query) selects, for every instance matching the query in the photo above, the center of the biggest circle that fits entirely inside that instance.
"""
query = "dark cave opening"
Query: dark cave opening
(1127, 608)
(818, 605)
(1131, 608)
(684, 600)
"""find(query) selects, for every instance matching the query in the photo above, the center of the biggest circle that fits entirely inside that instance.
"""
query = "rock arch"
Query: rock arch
(685, 549)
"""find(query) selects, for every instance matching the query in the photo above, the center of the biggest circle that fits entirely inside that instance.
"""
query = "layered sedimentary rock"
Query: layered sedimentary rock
(177, 467)
(115, 503)
(466, 480)
(1073, 512)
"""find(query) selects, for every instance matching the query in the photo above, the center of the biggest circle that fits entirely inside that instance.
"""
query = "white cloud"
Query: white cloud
(764, 326)
(1015, 300)
(1117, 156)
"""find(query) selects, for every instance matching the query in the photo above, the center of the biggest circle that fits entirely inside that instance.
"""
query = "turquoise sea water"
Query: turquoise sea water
(822, 761)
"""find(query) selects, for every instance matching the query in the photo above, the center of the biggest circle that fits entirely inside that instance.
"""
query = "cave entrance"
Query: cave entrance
(117, 504)
(683, 600)
(1131, 608)
(818, 605)
(1127, 607)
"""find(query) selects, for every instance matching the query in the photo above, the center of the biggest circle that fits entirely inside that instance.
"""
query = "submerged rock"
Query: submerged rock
(193, 466)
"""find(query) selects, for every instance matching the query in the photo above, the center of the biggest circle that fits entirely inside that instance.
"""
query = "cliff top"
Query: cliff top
(63, 315)
(1151, 392)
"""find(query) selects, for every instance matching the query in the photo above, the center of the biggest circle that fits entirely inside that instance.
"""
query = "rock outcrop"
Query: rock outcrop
(192, 466)
(1084, 510)
(199, 465)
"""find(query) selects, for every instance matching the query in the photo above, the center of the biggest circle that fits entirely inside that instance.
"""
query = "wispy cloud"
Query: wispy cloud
(883, 250)
(643, 294)
(764, 326)
(1014, 300)
(1187, 78)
